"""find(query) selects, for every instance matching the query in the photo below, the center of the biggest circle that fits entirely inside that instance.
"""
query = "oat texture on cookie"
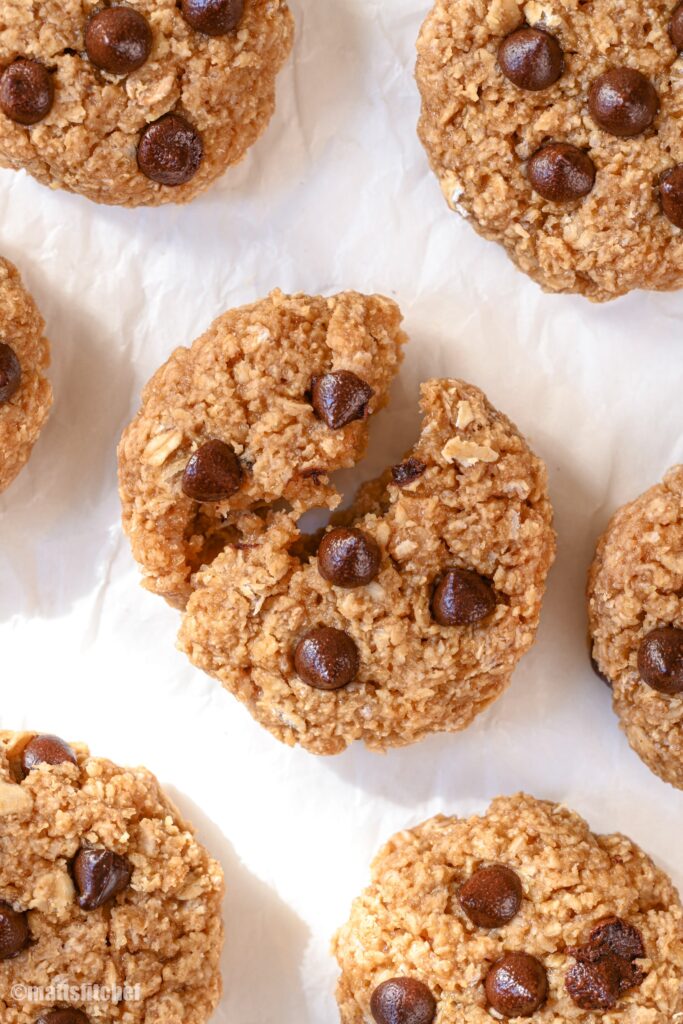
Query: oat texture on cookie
(102, 886)
(25, 392)
(141, 103)
(521, 913)
(635, 608)
(409, 613)
(554, 127)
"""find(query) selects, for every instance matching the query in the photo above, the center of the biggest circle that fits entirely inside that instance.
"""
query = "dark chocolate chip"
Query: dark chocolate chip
(593, 986)
(462, 598)
(623, 102)
(618, 937)
(213, 473)
(671, 194)
(407, 471)
(660, 660)
(561, 173)
(340, 398)
(531, 59)
(348, 558)
(213, 17)
(676, 28)
(46, 749)
(170, 150)
(402, 1001)
(100, 875)
(10, 373)
(66, 1016)
(14, 933)
(517, 985)
(326, 658)
(118, 40)
(491, 896)
(599, 673)
(27, 92)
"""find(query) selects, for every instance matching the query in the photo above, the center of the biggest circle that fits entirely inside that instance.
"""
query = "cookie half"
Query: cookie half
(635, 609)
(254, 416)
(410, 613)
(521, 913)
(554, 128)
(25, 392)
(110, 910)
(141, 103)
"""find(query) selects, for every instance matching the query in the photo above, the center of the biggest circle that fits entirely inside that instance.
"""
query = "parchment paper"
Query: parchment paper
(336, 195)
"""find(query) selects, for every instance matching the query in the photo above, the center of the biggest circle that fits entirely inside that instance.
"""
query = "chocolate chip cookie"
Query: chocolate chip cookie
(635, 608)
(554, 128)
(25, 393)
(140, 103)
(109, 908)
(520, 913)
(409, 613)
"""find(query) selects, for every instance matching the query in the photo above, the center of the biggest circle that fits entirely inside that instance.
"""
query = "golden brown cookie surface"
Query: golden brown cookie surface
(503, 80)
(25, 393)
(525, 893)
(144, 107)
(635, 608)
(101, 884)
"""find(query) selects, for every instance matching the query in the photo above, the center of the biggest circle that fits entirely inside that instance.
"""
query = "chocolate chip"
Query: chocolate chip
(593, 986)
(407, 471)
(623, 102)
(26, 92)
(348, 558)
(213, 17)
(676, 28)
(531, 59)
(10, 373)
(67, 1016)
(618, 937)
(561, 173)
(671, 194)
(326, 658)
(660, 660)
(599, 673)
(340, 398)
(491, 896)
(14, 933)
(402, 1001)
(605, 969)
(462, 598)
(517, 985)
(213, 473)
(100, 875)
(170, 150)
(46, 749)
(118, 40)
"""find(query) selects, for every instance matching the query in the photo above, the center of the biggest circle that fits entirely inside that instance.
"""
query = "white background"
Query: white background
(336, 195)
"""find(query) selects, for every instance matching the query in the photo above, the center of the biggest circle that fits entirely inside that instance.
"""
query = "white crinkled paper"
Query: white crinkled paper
(336, 195)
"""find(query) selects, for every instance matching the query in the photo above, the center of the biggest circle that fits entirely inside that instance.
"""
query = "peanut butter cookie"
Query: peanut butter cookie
(409, 614)
(635, 608)
(109, 908)
(141, 103)
(25, 393)
(520, 913)
(555, 128)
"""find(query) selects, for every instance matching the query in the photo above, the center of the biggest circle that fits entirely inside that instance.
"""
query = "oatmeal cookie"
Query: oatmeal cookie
(233, 425)
(555, 128)
(635, 608)
(25, 393)
(520, 913)
(102, 884)
(141, 103)
(410, 613)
